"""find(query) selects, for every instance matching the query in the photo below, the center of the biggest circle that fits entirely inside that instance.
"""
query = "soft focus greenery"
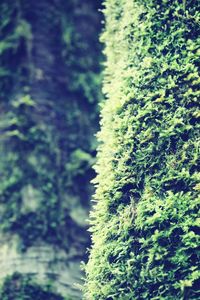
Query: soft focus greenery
(47, 141)
(145, 222)
(49, 93)
(18, 287)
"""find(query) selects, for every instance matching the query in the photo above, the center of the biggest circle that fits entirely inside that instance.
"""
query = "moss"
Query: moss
(18, 287)
(49, 93)
(144, 243)
(48, 144)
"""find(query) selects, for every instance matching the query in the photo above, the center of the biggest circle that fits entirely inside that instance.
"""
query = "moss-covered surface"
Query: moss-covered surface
(49, 90)
(18, 287)
(145, 224)
(49, 93)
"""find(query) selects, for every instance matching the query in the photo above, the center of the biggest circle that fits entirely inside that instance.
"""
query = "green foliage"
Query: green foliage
(49, 94)
(145, 224)
(49, 90)
(18, 287)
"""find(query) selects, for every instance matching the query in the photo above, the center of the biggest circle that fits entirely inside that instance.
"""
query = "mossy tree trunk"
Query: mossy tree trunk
(49, 90)
(145, 225)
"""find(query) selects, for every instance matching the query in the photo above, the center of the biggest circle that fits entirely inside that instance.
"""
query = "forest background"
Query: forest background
(50, 58)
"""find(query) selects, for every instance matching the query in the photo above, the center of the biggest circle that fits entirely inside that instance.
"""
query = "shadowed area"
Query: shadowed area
(49, 90)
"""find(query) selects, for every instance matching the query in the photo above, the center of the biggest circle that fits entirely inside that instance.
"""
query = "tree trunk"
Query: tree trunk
(145, 223)
(49, 90)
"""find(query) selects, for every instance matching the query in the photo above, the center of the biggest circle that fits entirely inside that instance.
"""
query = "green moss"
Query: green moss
(18, 287)
(145, 225)
(49, 93)
(48, 144)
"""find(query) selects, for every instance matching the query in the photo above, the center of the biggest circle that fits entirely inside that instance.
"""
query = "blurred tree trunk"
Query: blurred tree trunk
(49, 90)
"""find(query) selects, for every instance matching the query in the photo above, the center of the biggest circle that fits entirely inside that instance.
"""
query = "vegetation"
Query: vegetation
(49, 90)
(18, 287)
(145, 223)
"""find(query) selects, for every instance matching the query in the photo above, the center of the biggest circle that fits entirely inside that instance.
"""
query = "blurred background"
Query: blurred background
(50, 87)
